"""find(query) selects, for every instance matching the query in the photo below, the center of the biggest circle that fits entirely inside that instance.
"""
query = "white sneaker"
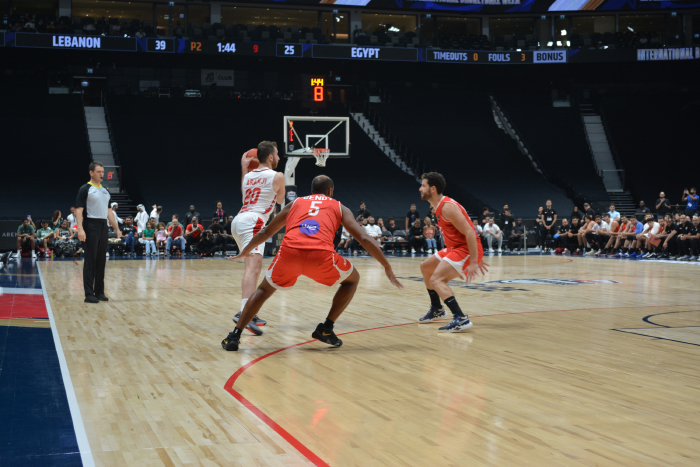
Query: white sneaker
(490, 250)
(33, 254)
(108, 254)
(499, 250)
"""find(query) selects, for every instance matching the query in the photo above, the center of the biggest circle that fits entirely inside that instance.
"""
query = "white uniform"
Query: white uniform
(259, 200)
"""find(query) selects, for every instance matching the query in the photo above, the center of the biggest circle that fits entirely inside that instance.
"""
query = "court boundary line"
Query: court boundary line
(298, 445)
(78, 426)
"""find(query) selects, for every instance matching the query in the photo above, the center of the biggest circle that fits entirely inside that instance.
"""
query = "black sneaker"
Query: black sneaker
(432, 314)
(102, 297)
(91, 299)
(230, 343)
(327, 336)
(458, 323)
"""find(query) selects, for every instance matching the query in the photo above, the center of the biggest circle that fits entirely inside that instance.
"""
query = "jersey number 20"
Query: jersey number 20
(251, 196)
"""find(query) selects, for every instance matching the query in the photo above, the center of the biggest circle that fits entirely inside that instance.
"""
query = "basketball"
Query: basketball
(254, 163)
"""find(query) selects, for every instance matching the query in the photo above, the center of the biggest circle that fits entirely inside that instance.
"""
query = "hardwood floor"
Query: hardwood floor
(550, 374)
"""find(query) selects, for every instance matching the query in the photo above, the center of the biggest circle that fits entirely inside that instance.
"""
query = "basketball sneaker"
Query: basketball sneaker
(326, 335)
(257, 321)
(432, 314)
(230, 343)
(458, 323)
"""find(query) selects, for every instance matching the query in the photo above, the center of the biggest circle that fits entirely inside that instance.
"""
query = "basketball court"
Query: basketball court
(570, 362)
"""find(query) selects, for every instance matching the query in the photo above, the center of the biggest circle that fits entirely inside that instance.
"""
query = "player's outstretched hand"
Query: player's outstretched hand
(483, 267)
(390, 274)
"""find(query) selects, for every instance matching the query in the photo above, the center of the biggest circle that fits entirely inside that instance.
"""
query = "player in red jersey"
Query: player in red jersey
(308, 250)
(462, 257)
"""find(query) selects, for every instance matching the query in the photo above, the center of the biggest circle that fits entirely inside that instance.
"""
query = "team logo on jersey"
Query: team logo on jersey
(309, 227)
(553, 281)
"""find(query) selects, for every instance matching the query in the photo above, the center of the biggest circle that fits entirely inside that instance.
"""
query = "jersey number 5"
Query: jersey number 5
(314, 209)
(251, 196)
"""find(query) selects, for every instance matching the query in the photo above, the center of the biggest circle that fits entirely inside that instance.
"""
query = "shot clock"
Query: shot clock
(314, 91)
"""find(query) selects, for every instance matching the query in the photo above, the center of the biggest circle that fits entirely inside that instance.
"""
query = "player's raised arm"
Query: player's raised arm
(368, 243)
(266, 232)
(452, 213)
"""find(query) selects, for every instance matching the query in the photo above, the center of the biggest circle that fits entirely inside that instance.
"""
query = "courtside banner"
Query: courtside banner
(8, 234)
(549, 56)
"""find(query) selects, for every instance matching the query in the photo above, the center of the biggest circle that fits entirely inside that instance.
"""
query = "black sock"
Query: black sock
(328, 324)
(434, 299)
(237, 333)
(453, 306)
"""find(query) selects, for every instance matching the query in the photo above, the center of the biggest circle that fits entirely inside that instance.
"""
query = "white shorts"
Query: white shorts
(244, 227)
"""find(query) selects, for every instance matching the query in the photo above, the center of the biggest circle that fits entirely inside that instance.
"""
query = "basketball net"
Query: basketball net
(321, 155)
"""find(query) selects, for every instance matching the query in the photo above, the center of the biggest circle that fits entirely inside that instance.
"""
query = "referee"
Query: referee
(92, 212)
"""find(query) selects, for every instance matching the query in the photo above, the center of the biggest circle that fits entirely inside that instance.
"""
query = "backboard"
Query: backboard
(303, 134)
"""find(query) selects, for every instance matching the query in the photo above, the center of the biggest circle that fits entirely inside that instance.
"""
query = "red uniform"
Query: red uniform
(307, 248)
(457, 251)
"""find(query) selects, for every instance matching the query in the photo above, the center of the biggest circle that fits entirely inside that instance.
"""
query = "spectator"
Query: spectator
(219, 213)
(682, 229)
(651, 228)
(175, 233)
(345, 241)
(373, 230)
(161, 236)
(89, 27)
(172, 220)
(549, 218)
(691, 200)
(363, 211)
(115, 206)
(56, 219)
(561, 238)
(380, 223)
(663, 205)
(393, 228)
(44, 236)
(589, 211)
(155, 213)
(192, 213)
(429, 235)
(415, 237)
(572, 235)
(433, 217)
(484, 217)
(690, 242)
(614, 215)
(140, 34)
(148, 235)
(129, 233)
(517, 235)
(71, 217)
(64, 233)
(642, 211)
(493, 232)
(141, 217)
(193, 232)
(29, 26)
(411, 217)
(577, 214)
(508, 222)
(25, 238)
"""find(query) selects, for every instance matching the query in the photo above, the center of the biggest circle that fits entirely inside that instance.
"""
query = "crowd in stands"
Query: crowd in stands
(661, 234)
(381, 36)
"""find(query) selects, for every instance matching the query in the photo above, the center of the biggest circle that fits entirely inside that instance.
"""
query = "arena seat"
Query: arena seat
(45, 150)
(462, 141)
(188, 152)
(556, 138)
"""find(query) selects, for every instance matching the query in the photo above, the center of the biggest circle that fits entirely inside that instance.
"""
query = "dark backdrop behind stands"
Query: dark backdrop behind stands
(455, 133)
(45, 155)
(656, 136)
(556, 138)
(181, 151)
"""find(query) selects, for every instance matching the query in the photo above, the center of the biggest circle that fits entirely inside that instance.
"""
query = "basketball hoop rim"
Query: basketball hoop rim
(321, 155)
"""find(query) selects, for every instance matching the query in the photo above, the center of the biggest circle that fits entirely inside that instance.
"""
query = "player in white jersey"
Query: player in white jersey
(262, 188)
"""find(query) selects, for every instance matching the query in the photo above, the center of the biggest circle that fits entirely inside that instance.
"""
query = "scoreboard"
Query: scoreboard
(314, 91)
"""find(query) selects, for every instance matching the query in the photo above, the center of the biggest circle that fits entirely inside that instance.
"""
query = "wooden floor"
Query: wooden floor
(586, 374)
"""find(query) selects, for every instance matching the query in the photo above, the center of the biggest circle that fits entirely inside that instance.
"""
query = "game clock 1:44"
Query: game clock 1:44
(226, 47)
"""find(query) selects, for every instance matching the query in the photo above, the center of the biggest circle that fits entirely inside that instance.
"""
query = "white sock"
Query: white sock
(243, 302)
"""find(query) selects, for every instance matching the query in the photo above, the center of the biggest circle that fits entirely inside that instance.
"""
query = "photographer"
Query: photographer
(691, 200)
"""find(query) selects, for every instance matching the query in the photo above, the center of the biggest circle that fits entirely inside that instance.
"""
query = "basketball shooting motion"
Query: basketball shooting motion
(308, 250)
(262, 188)
(462, 257)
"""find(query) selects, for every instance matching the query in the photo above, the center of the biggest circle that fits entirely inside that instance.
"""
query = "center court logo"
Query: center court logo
(309, 227)
(553, 281)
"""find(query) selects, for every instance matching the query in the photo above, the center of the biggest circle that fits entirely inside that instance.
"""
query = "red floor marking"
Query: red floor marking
(22, 306)
(306, 452)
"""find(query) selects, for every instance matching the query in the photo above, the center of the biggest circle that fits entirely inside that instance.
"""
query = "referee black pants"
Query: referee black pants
(95, 255)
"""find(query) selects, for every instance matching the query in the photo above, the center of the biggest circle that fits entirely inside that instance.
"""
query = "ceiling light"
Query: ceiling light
(563, 32)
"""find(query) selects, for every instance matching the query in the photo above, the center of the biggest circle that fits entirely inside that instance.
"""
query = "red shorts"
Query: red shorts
(323, 266)
(458, 257)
